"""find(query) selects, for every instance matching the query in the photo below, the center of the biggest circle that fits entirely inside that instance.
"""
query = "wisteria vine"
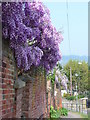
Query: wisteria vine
(32, 36)
(63, 78)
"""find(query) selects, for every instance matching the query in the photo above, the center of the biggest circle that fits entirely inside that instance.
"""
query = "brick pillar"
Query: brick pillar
(19, 94)
(37, 95)
(25, 101)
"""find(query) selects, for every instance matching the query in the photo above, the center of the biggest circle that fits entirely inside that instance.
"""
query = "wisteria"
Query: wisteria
(63, 78)
(32, 36)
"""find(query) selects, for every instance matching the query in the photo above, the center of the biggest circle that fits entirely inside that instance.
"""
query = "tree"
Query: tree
(82, 75)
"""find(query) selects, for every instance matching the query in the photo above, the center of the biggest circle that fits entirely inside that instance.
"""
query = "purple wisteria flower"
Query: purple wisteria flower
(32, 36)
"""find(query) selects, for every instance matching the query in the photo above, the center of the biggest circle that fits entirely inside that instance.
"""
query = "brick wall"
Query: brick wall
(30, 100)
(0, 95)
(58, 97)
(51, 96)
(7, 81)
(37, 96)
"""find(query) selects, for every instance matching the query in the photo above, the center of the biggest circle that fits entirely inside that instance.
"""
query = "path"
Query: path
(72, 115)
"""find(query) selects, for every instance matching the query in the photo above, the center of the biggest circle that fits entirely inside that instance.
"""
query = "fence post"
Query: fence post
(76, 108)
(79, 107)
(82, 107)
(67, 105)
(71, 106)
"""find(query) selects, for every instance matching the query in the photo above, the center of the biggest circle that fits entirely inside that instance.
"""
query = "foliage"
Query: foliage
(81, 79)
(59, 66)
(69, 97)
(57, 113)
(66, 94)
(63, 112)
(81, 96)
(54, 113)
(53, 77)
(32, 37)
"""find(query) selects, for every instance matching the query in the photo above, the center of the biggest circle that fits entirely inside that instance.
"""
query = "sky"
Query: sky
(78, 26)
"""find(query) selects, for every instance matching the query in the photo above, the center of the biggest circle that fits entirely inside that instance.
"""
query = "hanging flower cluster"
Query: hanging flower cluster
(63, 78)
(32, 36)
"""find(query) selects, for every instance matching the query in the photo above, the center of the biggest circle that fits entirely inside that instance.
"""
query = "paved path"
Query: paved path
(72, 115)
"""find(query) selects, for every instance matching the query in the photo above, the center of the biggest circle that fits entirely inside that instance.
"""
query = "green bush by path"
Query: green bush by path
(63, 112)
(54, 113)
(57, 113)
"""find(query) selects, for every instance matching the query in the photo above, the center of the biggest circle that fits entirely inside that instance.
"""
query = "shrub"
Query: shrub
(54, 113)
(57, 113)
(63, 112)
(81, 96)
(71, 97)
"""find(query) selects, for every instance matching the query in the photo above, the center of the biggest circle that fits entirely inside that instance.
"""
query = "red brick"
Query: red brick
(8, 66)
(0, 91)
(4, 64)
(1, 108)
(0, 74)
(7, 71)
(0, 80)
(4, 80)
(6, 97)
(11, 86)
(0, 102)
(10, 77)
(4, 101)
(10, 82)
(8, 110)
(4, 107)
(0, 97)
(3, 75)
(4, 86)
(3, 112)
(6, 115)
(3, 69)
(5, 91)
(4, 59)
